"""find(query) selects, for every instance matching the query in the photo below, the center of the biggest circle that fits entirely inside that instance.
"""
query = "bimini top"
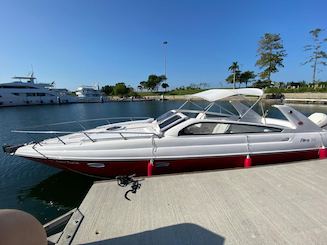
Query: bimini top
(212, 95)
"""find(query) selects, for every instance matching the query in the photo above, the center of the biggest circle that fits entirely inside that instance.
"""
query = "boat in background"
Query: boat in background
(24, 91)
(209, 137)
(90, 94)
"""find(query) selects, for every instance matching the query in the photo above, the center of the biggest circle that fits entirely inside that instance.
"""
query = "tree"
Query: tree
(107, 89)
(262, 84)
(246, 77)
(165, 86)
(139, 87)
(153, 82)
(272, 53)
(142, 85)
(204, 85)
(234, 68)
(317, 56)
(234, 78)
(120, 89)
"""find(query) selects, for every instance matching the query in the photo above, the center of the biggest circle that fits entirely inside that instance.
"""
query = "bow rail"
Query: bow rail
(108, 120)
(84, 130)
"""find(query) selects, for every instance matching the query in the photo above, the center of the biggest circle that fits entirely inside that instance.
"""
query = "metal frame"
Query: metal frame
(87, 134)
(212, 104)
(79, 122)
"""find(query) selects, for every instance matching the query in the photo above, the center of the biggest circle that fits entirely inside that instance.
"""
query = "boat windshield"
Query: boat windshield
(170, 119)
(170, 122)
(165, 116)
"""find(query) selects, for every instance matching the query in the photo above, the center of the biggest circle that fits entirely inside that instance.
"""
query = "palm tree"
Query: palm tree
(234, 68)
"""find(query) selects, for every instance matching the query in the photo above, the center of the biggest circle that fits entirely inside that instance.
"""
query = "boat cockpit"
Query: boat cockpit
(176, 123)
(240, 119)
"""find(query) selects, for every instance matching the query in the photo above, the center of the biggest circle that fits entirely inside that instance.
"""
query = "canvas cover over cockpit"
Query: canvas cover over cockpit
(213, 95)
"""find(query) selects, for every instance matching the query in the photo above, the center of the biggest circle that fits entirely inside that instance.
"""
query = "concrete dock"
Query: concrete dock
(306, 101)
(278, 204)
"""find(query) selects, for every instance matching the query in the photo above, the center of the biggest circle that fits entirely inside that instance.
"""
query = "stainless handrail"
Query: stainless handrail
(87, 134)
(107, 119)
(72, 132)
(84, 130)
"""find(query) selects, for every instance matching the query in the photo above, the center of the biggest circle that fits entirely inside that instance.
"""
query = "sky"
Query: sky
(88, 42)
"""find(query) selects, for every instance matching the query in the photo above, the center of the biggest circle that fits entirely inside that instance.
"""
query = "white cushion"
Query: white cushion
(220, 128)
(201, 115)
(319, 119)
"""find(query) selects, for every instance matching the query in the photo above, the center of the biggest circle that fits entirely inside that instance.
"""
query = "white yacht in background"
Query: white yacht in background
(24, 91)
(89, 94)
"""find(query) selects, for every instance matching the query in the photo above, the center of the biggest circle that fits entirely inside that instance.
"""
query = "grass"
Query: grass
(296, 90)
(185, 91)
(172, 92)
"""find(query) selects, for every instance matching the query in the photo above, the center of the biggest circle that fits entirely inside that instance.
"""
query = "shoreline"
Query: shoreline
(290, 98)
(296, 98)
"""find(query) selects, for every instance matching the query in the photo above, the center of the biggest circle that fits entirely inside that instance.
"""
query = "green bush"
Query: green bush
(296, 90)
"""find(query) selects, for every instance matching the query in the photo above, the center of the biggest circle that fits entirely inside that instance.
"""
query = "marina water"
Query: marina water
(47, 192)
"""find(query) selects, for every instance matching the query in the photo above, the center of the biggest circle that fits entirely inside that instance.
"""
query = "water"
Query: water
(38, 189)
(47, 192)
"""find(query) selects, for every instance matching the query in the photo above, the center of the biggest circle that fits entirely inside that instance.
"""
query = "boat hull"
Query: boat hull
(109, 169)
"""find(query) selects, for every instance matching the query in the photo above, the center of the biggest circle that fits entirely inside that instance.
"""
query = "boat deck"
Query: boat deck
(284, 204)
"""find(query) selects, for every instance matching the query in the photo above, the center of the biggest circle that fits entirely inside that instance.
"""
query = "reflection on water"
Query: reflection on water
(57, 194)
(73, 187)
(41, 190)
(47, 192)
(308, 109)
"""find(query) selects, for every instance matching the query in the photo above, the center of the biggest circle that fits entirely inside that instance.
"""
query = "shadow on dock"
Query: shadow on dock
(176, 234)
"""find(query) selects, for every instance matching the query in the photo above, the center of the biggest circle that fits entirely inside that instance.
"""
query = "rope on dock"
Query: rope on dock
(124, 181)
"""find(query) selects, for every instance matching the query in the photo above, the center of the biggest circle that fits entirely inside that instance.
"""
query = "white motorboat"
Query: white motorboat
(89, 94)
(185, 140)
(30, 93)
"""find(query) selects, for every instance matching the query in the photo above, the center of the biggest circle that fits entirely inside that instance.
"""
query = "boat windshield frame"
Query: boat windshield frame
(165, 116)
(170, 119)
(223, 111)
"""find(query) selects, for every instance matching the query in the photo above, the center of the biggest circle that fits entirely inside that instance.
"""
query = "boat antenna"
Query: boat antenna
(32, 74)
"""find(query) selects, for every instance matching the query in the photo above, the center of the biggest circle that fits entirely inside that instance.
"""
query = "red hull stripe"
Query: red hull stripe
(114, 168)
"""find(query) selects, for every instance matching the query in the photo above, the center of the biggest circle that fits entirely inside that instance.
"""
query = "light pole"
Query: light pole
(165, 57)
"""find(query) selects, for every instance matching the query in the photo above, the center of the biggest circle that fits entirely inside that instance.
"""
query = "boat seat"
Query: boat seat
(201, 115)
(221, 128)
(319, 119)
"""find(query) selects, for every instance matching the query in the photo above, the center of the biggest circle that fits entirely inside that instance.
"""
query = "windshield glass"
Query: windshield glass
(163, 117)
(171, 121)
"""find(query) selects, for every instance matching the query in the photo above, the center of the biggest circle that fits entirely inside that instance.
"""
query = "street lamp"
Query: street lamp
(165, 57)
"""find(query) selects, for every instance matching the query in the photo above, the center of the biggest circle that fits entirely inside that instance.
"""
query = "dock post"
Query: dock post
(150, 167)
(322, 152)
(247, 161)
